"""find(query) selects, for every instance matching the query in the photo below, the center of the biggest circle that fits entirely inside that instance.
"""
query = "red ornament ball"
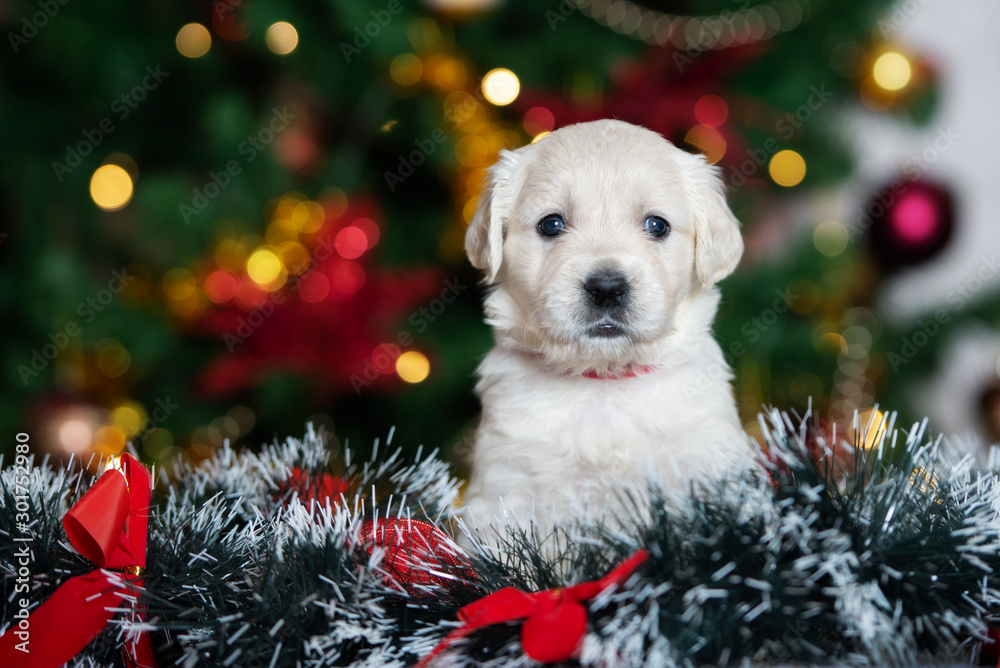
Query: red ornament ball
(417, 556)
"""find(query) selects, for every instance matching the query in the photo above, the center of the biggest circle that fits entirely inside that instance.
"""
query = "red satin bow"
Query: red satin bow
(108, 525)
(555, 620)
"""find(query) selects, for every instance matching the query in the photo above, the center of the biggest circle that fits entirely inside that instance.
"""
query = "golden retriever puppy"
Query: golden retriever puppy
(602, 244)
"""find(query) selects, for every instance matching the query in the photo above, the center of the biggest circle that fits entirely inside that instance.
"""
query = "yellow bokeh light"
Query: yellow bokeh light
(294, 256)
(111, 187)
(406, 69)
(308, 216)
(450, 74)
(413, 367)
(128, 416)
(230, 255)
(281, 38)
(787, 168)
(829, 342)
(333, 203)
(264, 267)
(892, 71)
(110, 441)
(501, 86)
(276, 233)
(469, 209)
(471, 150)
(158, 443)
(193, 40)
(113, 359)
(540, 136)
(179, 284)
(830, 238)
(423, 33)
(872, 427)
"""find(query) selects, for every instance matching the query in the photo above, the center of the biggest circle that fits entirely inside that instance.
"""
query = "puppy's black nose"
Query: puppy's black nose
(606, 289)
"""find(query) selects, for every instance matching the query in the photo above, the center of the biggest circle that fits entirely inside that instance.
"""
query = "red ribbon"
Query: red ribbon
(108, 525)
(555, 620)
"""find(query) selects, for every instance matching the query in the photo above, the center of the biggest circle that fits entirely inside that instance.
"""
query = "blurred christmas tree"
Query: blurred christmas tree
(220, 219)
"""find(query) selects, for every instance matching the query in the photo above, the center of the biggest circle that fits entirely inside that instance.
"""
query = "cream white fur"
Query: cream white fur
(549, 435)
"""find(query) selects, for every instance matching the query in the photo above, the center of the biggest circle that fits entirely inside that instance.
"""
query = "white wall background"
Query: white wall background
(962, 37)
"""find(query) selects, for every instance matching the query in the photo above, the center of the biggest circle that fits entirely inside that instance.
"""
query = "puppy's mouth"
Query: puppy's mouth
(607, 329)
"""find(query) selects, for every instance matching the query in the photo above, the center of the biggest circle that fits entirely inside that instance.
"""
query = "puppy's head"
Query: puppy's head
(594, 236)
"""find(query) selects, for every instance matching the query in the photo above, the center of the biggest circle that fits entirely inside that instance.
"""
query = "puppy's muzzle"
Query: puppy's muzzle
(608, 294)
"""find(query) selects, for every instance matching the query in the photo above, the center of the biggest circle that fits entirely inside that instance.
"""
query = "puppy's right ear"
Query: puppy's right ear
(485, 235)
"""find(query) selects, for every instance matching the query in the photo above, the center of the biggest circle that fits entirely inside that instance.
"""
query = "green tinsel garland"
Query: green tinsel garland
(889, 559)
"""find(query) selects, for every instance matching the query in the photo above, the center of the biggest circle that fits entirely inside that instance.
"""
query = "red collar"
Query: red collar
(629, 372)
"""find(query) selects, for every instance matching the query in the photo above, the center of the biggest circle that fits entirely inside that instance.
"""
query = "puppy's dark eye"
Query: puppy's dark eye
(657, 227)
(551, 225)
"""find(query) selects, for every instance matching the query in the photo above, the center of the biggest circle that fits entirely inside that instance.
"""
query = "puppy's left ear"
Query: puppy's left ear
(718, 244)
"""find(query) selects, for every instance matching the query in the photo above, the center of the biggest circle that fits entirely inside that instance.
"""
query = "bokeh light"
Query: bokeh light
(308, 217)
(249, 296)
(280, 231)
(179, 284)
(111, 187)
(294, 257)
(333, 203)
(501, 86)
(711, 110)
(193, 40)
(370, 229)
(787, 168)
(413, 366)
(281, 38)
(351, 242)
(346, 278)
(110, 441)
(892, 71)
(538, 120)
(158, 444)
(112, 358)
(472, 150)
(384, 357)
(830, 238)
(469, 209)
(74, 435)
(874, 96)
(220, 286)
(128, 416)
(231, 255)
(314, 287)
(708, 140)
(423, 32)
(450, 74)
(265, 269)
(244, 417)
(872, 427)
(406, 69)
